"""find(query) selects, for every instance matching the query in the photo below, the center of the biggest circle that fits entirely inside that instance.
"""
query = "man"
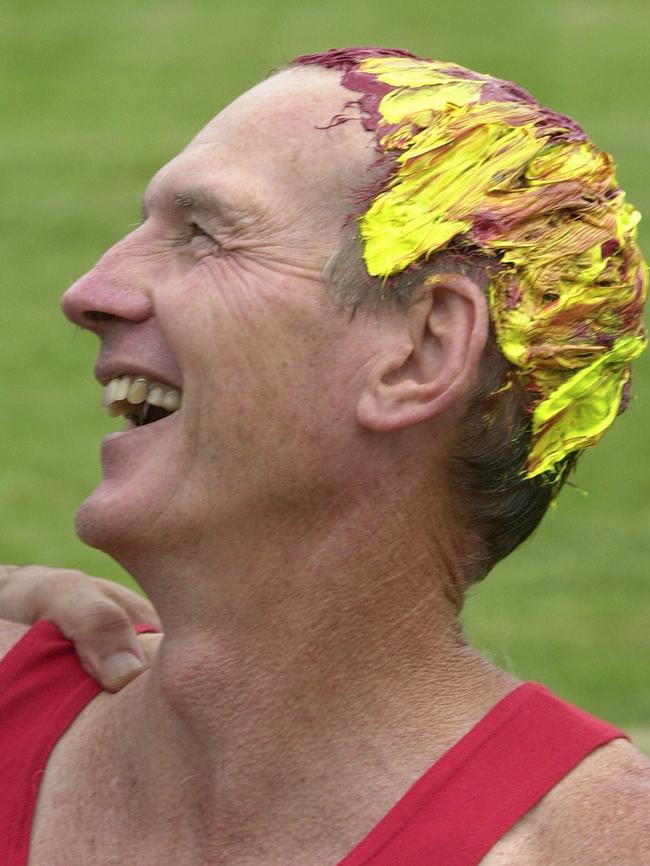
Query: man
(373, 312)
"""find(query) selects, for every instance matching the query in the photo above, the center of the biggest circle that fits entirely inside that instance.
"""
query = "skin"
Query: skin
(96, 615)
(290, 523)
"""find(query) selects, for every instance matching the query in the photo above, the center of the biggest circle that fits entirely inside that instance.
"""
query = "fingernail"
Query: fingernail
(120, 666)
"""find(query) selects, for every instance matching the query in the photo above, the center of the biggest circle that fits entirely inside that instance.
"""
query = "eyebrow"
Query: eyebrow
(204, 201)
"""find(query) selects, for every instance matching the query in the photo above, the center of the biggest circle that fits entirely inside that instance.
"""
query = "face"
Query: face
(217, 304)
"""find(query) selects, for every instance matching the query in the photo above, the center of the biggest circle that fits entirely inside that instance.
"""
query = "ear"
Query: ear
(427, 367)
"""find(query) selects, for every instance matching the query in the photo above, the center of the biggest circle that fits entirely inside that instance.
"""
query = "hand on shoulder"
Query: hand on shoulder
(97, 615)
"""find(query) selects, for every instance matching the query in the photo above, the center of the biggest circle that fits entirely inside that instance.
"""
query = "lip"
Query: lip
(105, 370)
(142, 428)
(141, 431)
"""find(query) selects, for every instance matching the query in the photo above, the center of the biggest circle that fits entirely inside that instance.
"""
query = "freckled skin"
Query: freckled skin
(291, 522)
(283, 203)
(261, 518)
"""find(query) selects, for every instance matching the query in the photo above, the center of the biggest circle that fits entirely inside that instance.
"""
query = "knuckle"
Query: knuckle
(101, 616)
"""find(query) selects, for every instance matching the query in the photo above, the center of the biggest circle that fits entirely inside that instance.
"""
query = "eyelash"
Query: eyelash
(202, 243)
(197, 231)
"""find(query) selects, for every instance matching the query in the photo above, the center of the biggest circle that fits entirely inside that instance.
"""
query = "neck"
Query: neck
(300, 669)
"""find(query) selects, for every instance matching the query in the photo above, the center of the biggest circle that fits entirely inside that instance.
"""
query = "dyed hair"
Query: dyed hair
(478, 170)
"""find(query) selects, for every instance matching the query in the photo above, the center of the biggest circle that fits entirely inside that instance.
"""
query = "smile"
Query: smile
(140, 400)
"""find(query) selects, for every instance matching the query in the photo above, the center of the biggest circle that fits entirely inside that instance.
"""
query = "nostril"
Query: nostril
(111, 291)
(97, 316)
(94, 303)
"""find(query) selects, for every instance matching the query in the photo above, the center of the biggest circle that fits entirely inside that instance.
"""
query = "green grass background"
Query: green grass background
(97, 95)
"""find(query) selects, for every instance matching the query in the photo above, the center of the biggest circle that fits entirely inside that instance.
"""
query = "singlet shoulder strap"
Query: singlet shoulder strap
(43, 688)
(485, 783)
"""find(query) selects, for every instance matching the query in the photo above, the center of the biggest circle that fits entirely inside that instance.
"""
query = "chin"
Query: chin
(113, 521)
(124, 510)
(98, 525)
(138, 520)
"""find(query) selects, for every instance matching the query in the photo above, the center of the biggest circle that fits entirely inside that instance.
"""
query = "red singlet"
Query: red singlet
(453, 815)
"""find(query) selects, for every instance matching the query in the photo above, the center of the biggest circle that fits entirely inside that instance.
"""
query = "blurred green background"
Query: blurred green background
(96, 96)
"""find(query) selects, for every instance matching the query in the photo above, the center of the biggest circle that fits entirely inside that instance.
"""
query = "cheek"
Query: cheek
(233, 317)
(257, 351)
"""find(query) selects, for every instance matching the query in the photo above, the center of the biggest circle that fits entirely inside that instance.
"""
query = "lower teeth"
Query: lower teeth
(147, 414)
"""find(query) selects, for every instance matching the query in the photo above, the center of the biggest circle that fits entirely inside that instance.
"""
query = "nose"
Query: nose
(116, 288)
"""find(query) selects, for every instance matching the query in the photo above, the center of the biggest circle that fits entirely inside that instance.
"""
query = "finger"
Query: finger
(95, 614)
(138, 607)
(103, 636)
(114, 672)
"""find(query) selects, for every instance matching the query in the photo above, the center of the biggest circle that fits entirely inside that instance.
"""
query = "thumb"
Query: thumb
(106, 642)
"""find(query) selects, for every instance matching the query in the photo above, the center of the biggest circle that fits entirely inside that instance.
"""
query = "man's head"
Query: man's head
(443, 180)
(219, 294)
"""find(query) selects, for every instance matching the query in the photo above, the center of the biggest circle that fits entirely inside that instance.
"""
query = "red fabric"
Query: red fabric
(453, 815)
(484, 784)
(43, 688)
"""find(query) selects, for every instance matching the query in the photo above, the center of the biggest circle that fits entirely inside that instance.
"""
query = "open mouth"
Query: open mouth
(140, 400)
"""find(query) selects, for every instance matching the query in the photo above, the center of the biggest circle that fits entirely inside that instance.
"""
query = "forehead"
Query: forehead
(293, 106)
(278, 140)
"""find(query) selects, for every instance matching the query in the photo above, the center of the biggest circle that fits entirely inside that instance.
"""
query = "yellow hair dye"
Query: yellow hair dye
(479, 166)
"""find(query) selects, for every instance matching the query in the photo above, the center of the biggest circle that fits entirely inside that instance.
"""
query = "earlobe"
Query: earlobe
(430, 367)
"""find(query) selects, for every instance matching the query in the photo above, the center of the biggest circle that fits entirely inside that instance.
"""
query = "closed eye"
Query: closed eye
(201, 243)
(197, 231)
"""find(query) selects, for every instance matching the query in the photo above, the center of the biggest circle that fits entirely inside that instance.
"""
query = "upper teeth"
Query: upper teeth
(124, 392)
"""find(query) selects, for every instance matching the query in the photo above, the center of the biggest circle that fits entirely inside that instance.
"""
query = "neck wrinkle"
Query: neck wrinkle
(334, 658)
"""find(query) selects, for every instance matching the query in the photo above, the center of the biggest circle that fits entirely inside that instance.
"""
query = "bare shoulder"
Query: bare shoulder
(596, 816)
(602, 808)
(10, 634)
